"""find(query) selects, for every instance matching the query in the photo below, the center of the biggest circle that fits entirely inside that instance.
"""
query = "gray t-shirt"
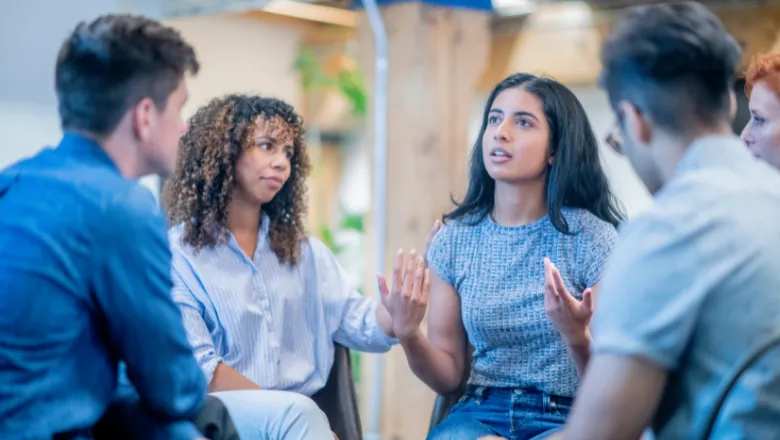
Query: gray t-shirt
(498, 273)
(694, 285)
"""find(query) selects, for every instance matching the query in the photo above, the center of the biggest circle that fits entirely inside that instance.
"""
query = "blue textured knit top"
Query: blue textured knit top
(498, 272)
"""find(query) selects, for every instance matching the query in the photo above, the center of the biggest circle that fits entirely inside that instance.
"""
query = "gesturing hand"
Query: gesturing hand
(569, 315)
(407, 301)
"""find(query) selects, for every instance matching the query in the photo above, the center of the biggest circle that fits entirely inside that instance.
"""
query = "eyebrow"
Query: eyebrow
(265, 137)
(520, 113)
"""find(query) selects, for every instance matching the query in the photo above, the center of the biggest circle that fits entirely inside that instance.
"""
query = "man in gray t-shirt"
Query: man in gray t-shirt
(693, 285)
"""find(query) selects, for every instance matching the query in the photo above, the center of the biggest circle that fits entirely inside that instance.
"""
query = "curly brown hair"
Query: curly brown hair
(201, 188)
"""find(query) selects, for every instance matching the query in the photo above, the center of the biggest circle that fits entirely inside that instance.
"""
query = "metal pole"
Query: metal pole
(380, 188)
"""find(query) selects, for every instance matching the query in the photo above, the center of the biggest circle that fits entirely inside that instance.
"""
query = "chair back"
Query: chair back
(748, 361)
(338, 398)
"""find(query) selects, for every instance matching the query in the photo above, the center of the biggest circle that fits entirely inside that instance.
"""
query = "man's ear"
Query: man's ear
(636, 123)
(143, 116)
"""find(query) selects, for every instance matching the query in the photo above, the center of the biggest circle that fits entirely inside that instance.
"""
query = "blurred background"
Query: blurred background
(444, 57)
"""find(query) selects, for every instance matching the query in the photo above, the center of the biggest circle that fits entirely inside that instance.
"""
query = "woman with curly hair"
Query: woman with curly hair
(262, 303)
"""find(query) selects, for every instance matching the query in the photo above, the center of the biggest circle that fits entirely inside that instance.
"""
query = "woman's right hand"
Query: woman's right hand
(407, 300)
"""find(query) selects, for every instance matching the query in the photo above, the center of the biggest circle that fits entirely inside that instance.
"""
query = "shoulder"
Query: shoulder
(129, 212)
(175, 238)
(462, 230)
(314, 251)
(587, 226)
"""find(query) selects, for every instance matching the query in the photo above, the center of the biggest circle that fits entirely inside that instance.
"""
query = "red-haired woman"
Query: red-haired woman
(762, 86)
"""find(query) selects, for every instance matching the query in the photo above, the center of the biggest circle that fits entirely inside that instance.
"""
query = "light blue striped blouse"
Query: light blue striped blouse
(273, 323)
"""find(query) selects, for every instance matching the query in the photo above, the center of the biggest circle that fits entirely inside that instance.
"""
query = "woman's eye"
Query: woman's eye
(493, 119)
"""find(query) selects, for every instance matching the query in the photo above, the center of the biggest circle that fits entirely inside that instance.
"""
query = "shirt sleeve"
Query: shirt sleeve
(653, 290)
(188, 296)
(357, 327)
(133, 420)
(132, 288)
(598, 241)
(440, 257)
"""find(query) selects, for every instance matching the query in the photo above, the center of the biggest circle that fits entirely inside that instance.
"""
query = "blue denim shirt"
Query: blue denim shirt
(84, 285)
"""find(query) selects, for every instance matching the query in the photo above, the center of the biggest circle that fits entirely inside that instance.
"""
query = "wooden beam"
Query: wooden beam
(436, 57)
(308, 12)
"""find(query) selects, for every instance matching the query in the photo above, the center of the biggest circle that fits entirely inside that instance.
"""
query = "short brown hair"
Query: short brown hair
(107, 66)
(764, 68)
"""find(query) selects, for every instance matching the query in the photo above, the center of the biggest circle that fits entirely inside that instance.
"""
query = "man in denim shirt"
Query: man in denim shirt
(84, 259)
(691, 287)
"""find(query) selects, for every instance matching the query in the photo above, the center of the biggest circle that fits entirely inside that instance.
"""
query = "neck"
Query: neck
(673, 148)
(123, 152)
(243, 218)
(520, 204)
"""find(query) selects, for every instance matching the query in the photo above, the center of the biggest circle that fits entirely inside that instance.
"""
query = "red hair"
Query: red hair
(764, 68)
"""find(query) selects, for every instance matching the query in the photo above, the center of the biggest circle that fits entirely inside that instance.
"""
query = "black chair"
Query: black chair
(443, 403)
(338, 398)
(742, 367)
(126, 419)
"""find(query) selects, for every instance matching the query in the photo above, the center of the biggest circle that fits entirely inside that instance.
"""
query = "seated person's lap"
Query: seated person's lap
(268, 414)
(514, 414)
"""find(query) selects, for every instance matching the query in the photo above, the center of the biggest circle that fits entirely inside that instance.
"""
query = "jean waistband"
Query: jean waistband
(481, 392)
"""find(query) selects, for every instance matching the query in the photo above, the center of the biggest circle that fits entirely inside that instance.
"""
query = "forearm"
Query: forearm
(435, 367)
(579, 351)
(228, 379)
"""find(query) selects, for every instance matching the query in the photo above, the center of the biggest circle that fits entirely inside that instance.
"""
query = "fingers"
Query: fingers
(409, 274)
(549, 281)
(426, 289)
(558, 280)
(418, 279)
(382, 284)
(587, 300)
(397, 270)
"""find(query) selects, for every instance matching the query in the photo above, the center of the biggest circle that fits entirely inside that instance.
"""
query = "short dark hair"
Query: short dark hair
(676, 62)
(107, 66)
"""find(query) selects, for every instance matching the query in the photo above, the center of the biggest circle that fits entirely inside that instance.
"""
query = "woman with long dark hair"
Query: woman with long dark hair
(516, 267)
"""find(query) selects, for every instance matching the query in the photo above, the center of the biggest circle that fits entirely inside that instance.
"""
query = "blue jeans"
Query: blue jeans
(275, 415)
(515, 414)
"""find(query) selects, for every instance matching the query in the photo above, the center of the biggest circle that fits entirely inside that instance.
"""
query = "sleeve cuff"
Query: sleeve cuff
(209, 366)
(382, 342)
(625, 345)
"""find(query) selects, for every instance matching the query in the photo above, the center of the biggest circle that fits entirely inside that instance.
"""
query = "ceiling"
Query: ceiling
(176, 8)
(600, 4)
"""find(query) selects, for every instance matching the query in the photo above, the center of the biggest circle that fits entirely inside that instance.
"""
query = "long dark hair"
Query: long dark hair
(576, 178)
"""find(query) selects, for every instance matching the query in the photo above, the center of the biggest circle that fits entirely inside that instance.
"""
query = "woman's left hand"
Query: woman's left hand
(569, 315)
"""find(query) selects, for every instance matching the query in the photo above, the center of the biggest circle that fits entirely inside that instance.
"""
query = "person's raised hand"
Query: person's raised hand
(569, 315)
(407, 300)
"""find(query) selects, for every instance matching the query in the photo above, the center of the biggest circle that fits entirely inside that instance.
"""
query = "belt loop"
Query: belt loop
(480, 394)
(547, 403)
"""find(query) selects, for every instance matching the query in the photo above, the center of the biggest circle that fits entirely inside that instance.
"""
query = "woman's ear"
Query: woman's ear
(551, 160)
